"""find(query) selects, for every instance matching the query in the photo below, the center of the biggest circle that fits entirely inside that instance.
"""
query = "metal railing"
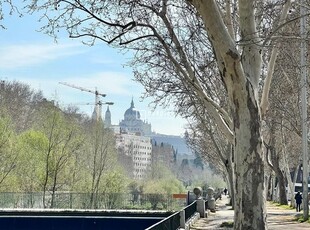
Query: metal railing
(173, 221)
(70, 200)
(190, 210)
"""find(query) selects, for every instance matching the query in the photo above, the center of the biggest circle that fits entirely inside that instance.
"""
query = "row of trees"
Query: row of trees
(279, 111)
(221, 63)
(49, 150)
(45, 149)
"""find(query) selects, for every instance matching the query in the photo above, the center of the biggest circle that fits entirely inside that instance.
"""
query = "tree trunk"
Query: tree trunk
(292, 186)
(282, 188)
(250, 210)
(47, 168)
(270, 188)
(240, 74)
(280, 175)
(54, 189)
(275, 159)
(231, 177)
(231, 188)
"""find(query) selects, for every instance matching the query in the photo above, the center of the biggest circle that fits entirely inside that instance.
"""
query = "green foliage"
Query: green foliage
(300, 218)
(61, 152)
(113, 187)
(31, 163)
(162, 180)
(153, 186)
(8, 153)
(134, 187)
(283, 206)
(43, 149)
(114, 182)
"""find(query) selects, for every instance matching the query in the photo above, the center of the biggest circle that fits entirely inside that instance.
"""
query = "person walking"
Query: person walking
(298, 199)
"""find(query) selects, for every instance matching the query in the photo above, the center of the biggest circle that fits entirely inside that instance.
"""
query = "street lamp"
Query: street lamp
(302, 177)
(303, 67)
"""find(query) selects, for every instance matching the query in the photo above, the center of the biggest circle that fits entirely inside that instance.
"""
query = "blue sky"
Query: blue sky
(34, 58)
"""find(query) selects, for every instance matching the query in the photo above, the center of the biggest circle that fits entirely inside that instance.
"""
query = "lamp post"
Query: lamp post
(302, 177)
(303, 67)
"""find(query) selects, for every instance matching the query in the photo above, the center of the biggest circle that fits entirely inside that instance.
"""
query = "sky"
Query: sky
(34, 58)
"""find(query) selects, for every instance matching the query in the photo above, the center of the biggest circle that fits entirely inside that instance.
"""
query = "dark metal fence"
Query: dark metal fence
(172, 222)
(190, 210)
(69, 200)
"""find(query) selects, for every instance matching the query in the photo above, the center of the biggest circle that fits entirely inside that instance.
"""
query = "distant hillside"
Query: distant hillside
(177, 142)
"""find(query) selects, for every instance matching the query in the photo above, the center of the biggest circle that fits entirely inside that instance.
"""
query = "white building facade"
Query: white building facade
(139, 148)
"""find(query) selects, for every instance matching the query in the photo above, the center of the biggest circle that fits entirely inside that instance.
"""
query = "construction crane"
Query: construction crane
(103, 103)
(98, 104)
(94, 115)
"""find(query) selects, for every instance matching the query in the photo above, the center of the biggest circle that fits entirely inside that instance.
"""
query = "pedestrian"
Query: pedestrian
(225, 191)
(298, 199)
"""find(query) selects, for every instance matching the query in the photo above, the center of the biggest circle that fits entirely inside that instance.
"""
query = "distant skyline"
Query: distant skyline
(33, 58)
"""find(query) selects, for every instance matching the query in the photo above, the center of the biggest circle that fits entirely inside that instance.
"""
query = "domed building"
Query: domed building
(131, 113)
(132, 122)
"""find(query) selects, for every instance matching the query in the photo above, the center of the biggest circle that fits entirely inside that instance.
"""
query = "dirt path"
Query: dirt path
(277, 218)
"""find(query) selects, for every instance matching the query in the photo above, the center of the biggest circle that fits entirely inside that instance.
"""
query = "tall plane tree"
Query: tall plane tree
(173, 44)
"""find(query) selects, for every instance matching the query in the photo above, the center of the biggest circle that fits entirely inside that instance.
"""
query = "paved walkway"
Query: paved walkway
(277, 218)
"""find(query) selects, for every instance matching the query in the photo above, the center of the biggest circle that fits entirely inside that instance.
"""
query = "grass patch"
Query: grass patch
(300, 219)
(283, 206)
(227, 225)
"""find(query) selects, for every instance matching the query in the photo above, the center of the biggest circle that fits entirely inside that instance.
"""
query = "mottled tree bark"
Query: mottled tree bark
(240, 75)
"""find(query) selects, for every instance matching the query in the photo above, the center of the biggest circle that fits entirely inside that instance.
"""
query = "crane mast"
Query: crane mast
(97, 94)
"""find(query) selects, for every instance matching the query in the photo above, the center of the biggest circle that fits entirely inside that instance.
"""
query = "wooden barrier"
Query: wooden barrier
(179, 196)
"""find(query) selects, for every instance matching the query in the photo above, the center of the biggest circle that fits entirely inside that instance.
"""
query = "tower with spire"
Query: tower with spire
(107, 118)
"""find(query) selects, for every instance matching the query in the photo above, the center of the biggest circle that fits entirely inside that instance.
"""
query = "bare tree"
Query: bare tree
(205, 139)
(283, 119)
(6, 7)
(20, 102)
(174, 45)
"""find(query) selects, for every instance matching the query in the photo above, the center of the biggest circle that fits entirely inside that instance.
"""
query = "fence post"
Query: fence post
(211, 200)
(70, 194)
(182, 219)
(201, 209)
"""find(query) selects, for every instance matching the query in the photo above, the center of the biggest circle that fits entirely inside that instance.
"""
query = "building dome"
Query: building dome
(132, 113)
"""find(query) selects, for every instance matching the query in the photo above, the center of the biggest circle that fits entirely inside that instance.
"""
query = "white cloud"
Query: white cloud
(112, 83)
(23, 55)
